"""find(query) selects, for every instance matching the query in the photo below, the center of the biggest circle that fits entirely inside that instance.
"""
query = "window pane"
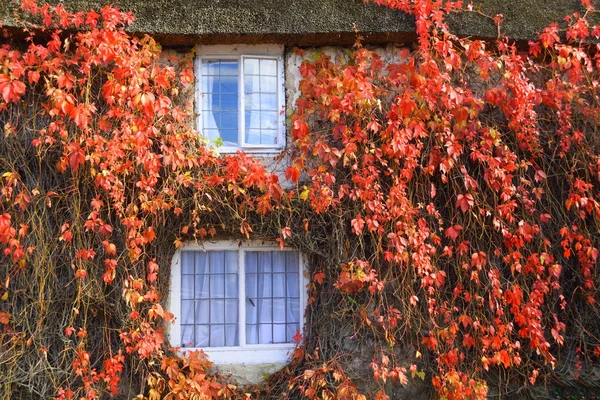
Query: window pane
(251, 310)
(293, 310)
(187, 335)
(251, 84)
(291, 332)
(292, 285)
(217, 311)
(265, 310)
(279, 260)
(279, 285)
(268, 120)
(278, 310)
(217, 262)
(268, 84)
(231, 311)
(268, 136)
(268, 101)
(217, 286)
(187, 287)
(265, 333)
(251, 334)
(251, 260)
(229, 102)
(251, 66)
(265, 261)
(201, 262)
(202, 312)
(268, 67)
(187, 312)
(187, 262)
(265, 285)
(231, 262)
(231, 286)
(202, 286)
(202, 332)
(217, 336)
(231, 335)
(279, 333)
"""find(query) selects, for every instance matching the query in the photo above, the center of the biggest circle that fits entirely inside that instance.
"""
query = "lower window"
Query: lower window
(229, 298)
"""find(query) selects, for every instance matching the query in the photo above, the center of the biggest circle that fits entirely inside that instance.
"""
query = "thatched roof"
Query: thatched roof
(311, 21)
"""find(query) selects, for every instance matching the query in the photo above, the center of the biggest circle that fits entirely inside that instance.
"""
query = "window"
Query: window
(240, 96)
(238, 303)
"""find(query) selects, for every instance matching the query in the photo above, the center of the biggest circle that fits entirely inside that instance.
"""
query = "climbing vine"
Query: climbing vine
(446, 202)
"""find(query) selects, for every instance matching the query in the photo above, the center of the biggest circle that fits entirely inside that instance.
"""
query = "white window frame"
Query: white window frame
(240, 52)
(244, 353)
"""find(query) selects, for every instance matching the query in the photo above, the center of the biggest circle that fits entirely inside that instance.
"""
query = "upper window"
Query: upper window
(240, 96)
(245, 300)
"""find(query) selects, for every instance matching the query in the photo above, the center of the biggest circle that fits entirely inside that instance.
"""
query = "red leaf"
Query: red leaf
(453, 232)
(292, 174)
(464, 202)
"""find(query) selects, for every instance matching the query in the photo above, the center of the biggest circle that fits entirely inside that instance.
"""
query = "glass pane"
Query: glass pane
(279, 310)
(253, 102)
(229, 67)
(251, 66)
(217, 311)
(292, 285)
(231, 335)
(268, 84)
(251, 261)
(251, 83)
(265, 310)
(231, 311)
(202, 336)
(268, 101)
(279, 258)
(210, 134)
(217, 262)
(210, 67)
(230, 137)
(251, 334)
(229, 120)
(252, 119)
(268, 120)
(268, 67)
(211, 119)
(251, 310)
(265, 261)
(202, 286)
(279, 333)
(251, 286)
(293, 310)
(201, 262)
(231, 286)
(225, 84)
(217, 336)
(253, 136)
(187, 287)
(217, 286)
(278, 285)
(265, 285)
(268, 136)
(229, 102)
(291, 332)
(187, 312)
(202, 312)
(187, 335)
(265, 333)
(291, 261)
(187, 262)
(231, 262)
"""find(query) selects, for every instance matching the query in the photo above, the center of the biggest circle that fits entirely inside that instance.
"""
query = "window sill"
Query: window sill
(250, 354)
